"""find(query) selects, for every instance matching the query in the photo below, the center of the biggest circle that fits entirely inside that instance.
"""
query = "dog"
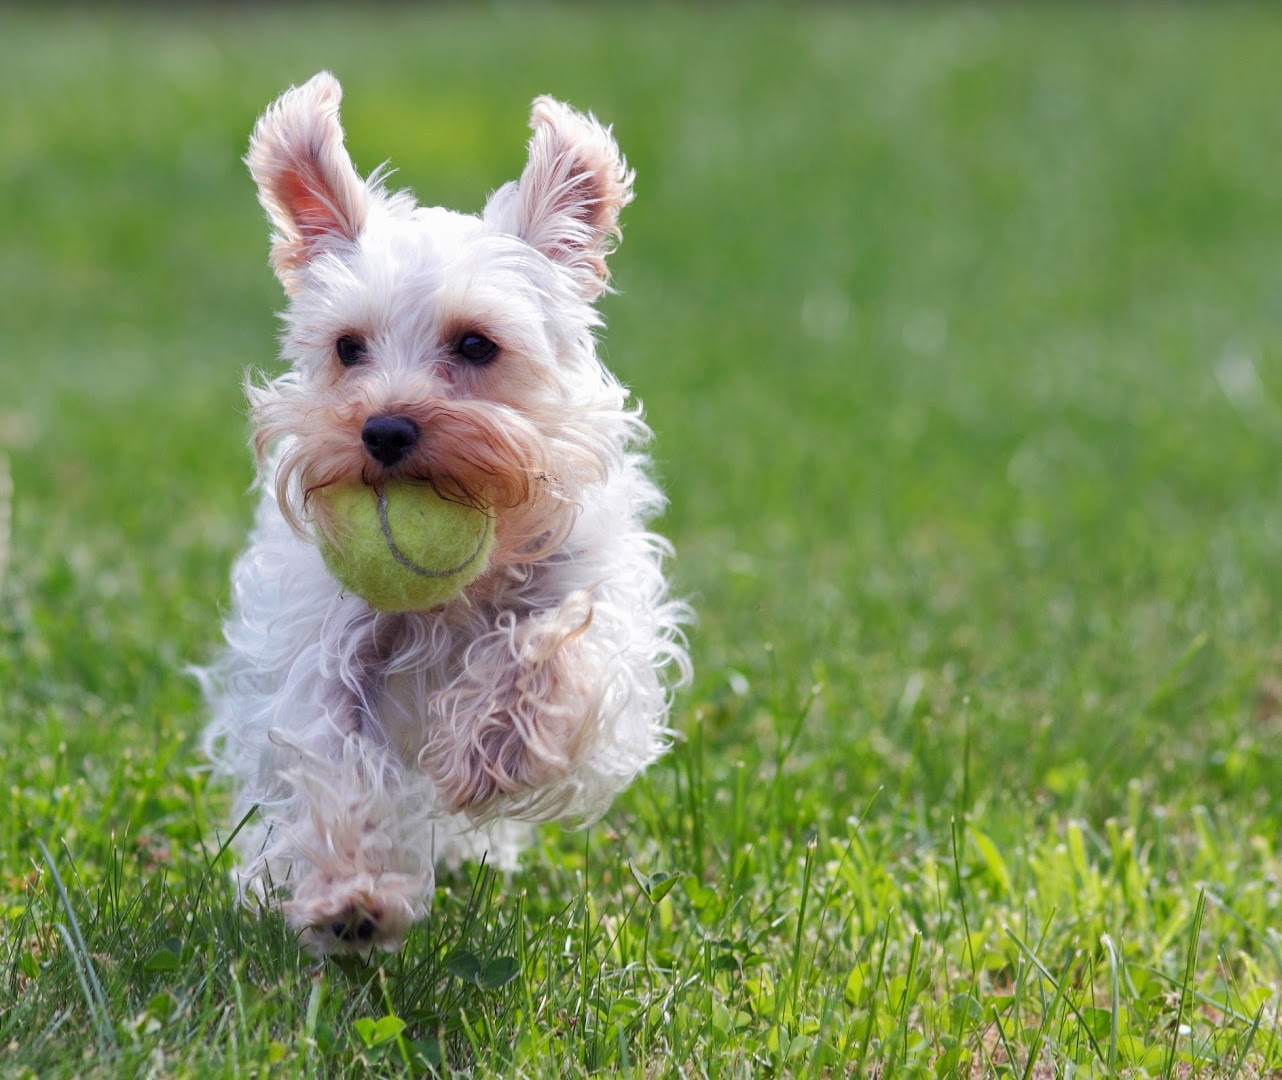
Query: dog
(367, 748)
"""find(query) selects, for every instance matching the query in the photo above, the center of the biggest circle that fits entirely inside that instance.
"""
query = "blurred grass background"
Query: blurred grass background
(959, 329)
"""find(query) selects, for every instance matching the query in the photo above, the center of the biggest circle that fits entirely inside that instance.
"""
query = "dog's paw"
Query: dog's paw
(356, 915)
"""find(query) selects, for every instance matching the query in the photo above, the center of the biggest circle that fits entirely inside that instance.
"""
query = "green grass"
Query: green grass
(962, 336)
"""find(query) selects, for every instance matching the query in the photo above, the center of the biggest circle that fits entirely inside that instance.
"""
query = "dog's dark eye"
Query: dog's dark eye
(350, 349)
(476, 349)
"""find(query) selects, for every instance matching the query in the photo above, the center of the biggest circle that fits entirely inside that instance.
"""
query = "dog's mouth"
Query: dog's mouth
(479, 455)
(420, 474)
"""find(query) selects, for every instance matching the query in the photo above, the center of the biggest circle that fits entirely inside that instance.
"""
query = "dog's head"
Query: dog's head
(439, 347)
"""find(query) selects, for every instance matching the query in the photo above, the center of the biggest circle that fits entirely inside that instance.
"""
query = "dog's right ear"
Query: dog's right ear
(306, 181)
(568, 199)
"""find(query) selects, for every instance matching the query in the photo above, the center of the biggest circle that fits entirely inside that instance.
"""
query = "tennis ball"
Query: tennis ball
(404, 548)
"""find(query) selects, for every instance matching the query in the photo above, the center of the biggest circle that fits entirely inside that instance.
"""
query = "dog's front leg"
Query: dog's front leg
(525, 712)
(335, 836)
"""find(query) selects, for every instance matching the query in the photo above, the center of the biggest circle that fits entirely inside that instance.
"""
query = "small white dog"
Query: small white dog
(454, 351)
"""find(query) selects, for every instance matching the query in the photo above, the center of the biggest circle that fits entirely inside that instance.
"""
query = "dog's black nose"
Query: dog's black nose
(389, 438)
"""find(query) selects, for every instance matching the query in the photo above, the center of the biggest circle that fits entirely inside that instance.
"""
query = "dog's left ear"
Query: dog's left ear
(306, 182)
(568, 199)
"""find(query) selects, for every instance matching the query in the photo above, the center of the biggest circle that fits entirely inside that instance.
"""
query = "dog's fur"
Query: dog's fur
(376, 745)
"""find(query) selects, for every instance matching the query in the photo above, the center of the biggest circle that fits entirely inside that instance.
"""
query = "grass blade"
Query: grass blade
(80, 954)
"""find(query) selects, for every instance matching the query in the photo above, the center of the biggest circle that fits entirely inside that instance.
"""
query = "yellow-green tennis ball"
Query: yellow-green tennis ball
(404, 548)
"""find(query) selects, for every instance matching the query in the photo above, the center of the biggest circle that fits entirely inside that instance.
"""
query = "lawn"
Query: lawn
(961, 333)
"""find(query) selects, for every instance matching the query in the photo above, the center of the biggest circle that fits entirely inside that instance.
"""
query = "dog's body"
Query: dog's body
(376, 745)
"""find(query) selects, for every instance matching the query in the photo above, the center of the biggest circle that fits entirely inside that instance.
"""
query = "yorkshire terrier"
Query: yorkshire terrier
(458, 351)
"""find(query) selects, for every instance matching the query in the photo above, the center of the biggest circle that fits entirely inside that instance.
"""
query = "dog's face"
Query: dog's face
(440, 347)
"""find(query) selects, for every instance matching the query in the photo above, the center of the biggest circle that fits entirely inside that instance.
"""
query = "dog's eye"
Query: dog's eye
(350, 349)
(476, 349)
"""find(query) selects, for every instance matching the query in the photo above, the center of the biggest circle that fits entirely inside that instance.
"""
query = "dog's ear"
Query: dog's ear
(568, 199)
(306, 181)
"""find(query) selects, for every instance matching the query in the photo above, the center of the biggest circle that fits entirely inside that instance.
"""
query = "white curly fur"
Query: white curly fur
(375, 746)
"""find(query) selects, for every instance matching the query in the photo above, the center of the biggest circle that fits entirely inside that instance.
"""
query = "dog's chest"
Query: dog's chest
(404, 708)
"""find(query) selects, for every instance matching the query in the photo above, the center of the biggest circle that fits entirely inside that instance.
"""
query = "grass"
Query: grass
(962, 335)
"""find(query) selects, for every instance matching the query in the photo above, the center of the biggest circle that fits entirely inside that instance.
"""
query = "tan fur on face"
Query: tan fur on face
(469, 451)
